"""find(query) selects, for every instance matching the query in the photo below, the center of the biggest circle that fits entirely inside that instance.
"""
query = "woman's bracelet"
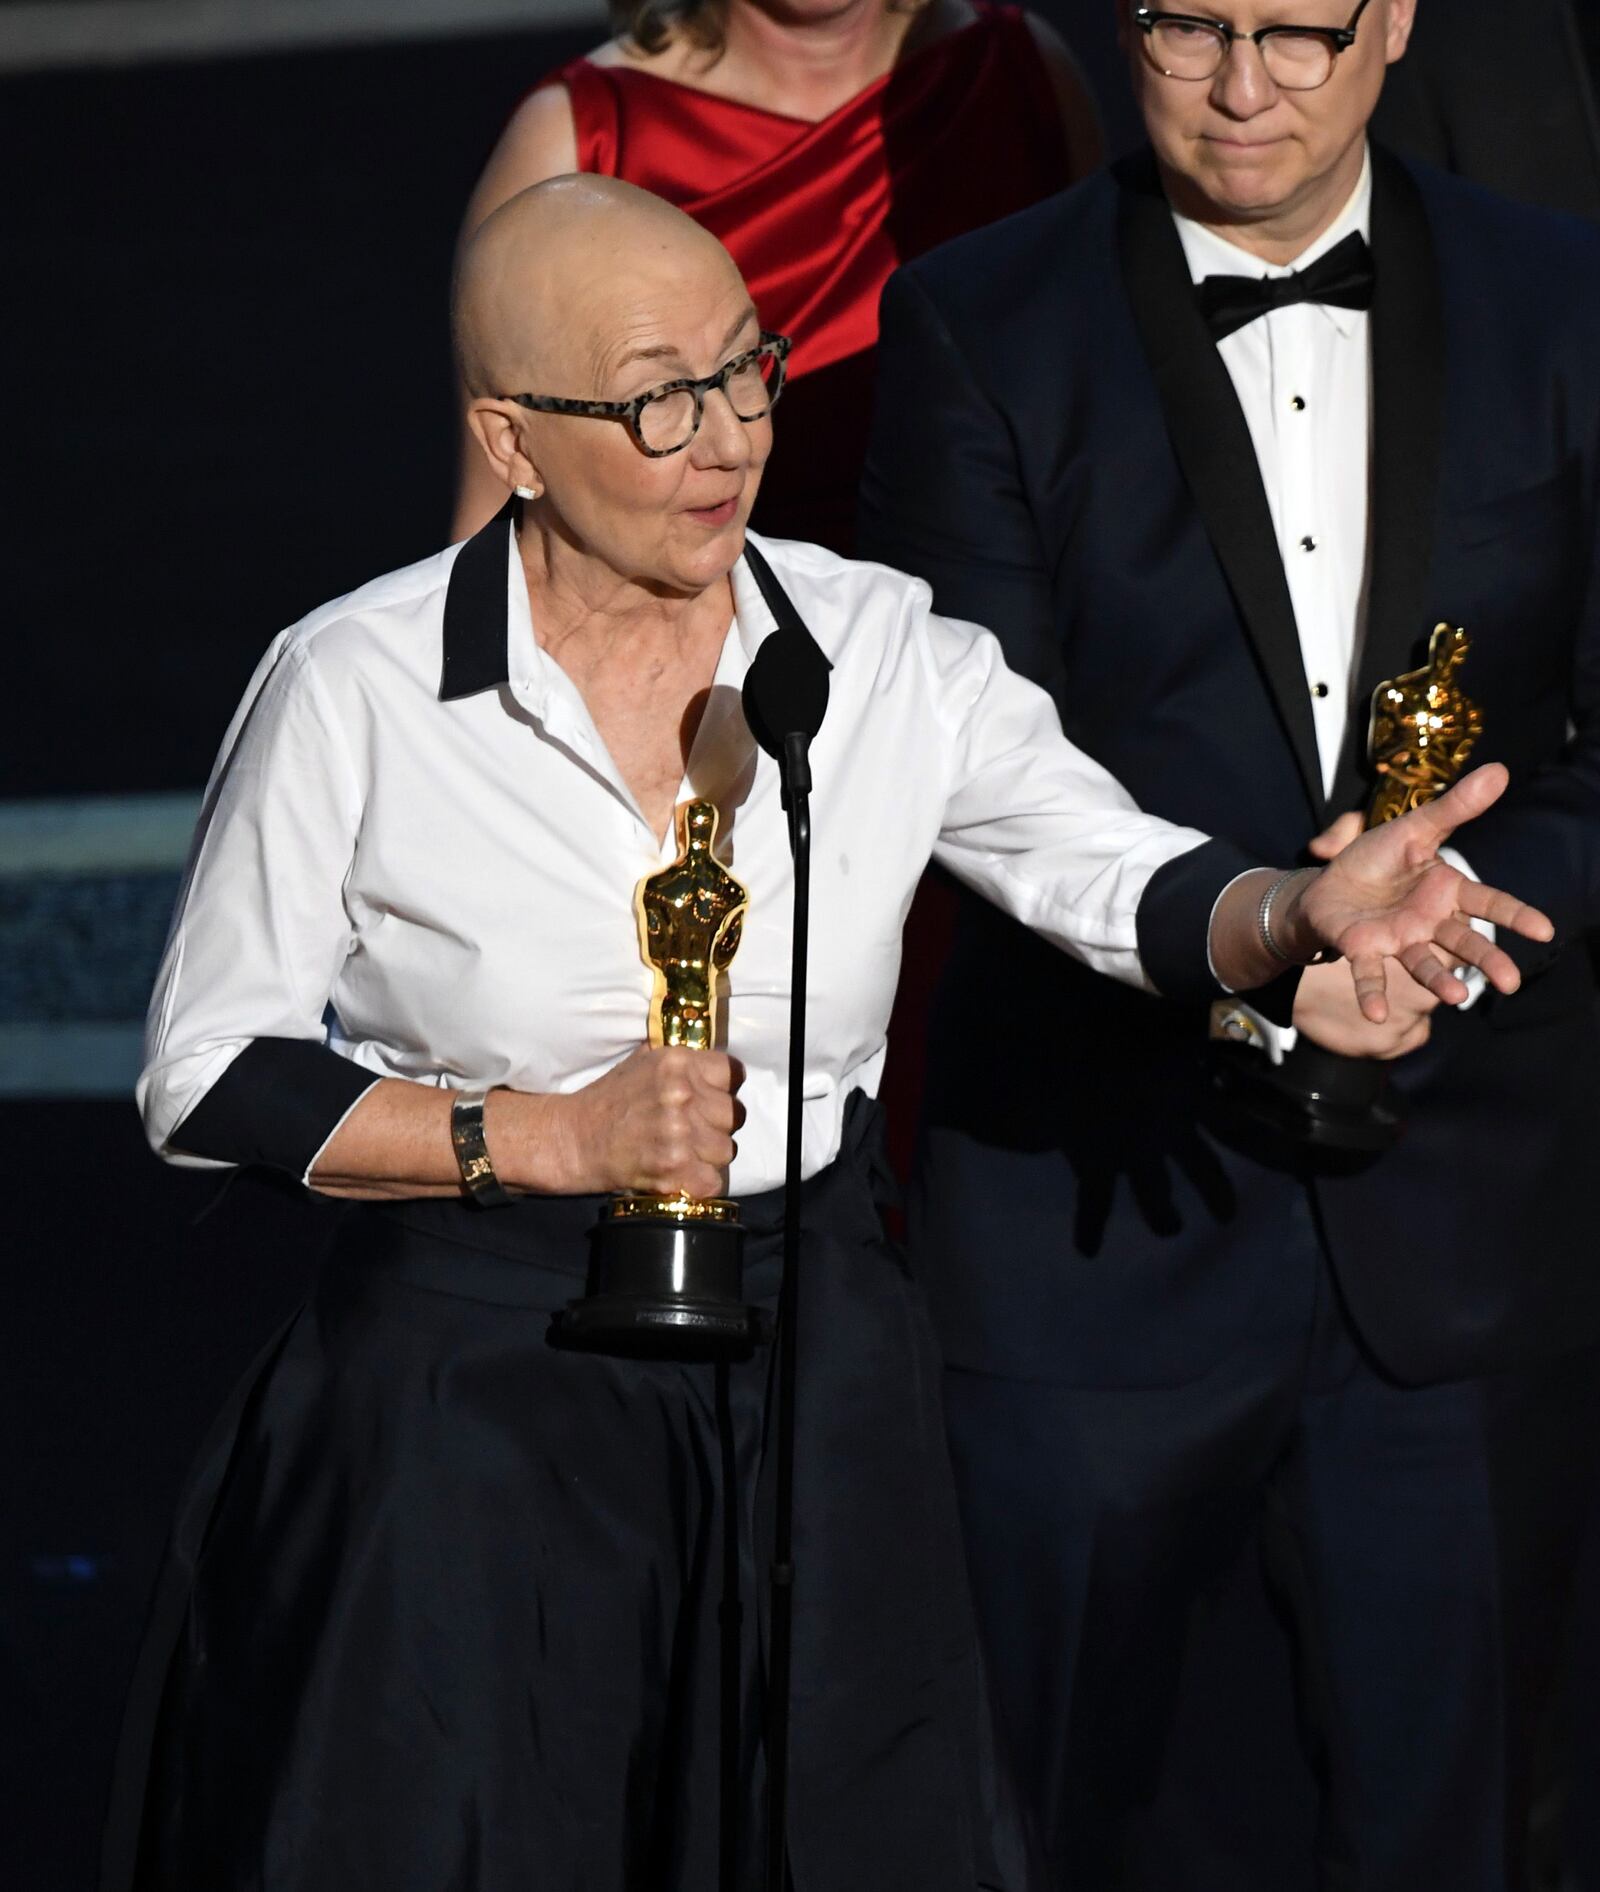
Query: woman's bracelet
(1264, 918)
(472, 1152)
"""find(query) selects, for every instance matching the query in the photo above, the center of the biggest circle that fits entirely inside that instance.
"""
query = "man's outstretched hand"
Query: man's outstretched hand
(1387, 895)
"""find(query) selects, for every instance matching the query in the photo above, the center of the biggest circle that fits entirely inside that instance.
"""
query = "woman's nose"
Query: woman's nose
(723, 439)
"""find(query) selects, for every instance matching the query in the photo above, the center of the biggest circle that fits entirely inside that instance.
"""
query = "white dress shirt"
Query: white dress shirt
(1303, 376)
(1304, 379)
(448, 880)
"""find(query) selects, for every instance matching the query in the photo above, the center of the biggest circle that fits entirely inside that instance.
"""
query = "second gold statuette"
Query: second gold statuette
(1424, 728)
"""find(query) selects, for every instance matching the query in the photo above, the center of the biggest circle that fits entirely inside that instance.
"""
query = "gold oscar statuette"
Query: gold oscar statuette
(665, 1272)
(1424, 727)
(690, 917)
(1423, 730)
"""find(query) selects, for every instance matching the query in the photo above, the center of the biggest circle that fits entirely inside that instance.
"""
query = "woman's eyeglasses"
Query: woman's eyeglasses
(664, 420)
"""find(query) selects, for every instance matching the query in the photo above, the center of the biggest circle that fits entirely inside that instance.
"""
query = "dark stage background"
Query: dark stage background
(222, 325)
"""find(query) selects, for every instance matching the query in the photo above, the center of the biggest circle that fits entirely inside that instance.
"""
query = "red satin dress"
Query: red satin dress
(817, 216)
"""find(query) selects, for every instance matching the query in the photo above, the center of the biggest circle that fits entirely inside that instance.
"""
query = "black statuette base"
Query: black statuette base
(660, 1288)
(1317, 1098)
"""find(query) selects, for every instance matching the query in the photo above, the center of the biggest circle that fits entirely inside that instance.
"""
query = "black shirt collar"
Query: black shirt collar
(475, 626)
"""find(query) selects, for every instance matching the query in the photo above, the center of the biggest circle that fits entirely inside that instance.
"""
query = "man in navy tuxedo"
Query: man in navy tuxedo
(1212, 442)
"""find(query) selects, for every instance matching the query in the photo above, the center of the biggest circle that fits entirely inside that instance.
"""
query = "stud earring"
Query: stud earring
(529, 492)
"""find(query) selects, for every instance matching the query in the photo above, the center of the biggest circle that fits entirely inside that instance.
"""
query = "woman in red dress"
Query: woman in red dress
(824, 144)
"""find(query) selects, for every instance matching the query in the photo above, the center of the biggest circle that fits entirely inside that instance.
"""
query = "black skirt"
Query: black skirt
(448, 1610)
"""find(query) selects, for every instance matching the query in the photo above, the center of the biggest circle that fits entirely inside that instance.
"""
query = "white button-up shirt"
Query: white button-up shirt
(1303, 376)
(443, 884)
(1304, 379)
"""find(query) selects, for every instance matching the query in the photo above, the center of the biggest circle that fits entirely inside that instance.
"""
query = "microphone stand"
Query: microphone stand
(795, 770)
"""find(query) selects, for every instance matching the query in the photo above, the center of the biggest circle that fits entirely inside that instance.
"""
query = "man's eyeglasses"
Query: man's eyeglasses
(664, 420)
(1190, 46)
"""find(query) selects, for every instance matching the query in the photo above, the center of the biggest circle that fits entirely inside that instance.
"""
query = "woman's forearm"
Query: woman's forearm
(1240, 957)
(396, 1143)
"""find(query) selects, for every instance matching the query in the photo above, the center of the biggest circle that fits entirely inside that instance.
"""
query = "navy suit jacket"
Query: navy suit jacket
(1058, 449)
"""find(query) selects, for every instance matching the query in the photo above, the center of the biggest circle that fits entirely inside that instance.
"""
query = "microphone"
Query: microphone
(785, 700)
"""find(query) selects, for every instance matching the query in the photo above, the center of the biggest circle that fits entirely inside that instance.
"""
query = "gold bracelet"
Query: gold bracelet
(472, 1152)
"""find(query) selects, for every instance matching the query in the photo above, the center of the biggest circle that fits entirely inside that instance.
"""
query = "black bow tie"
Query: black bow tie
(1344, 278)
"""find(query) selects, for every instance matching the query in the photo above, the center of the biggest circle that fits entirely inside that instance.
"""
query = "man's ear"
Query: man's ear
(1402, 17)
(495, 428)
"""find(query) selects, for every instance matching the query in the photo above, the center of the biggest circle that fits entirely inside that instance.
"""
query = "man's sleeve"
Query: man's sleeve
(1542, 841)
(941, 491)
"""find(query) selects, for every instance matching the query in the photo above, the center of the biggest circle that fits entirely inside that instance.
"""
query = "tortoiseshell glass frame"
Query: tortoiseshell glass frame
(777, 346)
(1339, 38)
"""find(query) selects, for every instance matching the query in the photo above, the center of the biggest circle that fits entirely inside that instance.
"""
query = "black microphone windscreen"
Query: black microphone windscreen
(786, 691)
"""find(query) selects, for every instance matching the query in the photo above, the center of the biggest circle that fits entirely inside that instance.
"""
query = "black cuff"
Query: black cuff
(1174, 919)
(276, 1104)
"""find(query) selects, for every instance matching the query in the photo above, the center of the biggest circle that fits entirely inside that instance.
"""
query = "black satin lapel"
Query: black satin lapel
(1215, 453)
(1407, 435)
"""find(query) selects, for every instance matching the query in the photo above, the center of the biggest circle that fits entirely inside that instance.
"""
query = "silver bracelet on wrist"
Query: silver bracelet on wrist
(472, 1152)
(1264, 918)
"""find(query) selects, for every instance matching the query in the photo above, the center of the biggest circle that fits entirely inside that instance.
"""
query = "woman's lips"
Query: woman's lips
(717, 515)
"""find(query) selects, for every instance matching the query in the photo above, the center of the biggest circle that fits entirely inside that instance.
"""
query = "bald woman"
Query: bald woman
(448, 1607)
